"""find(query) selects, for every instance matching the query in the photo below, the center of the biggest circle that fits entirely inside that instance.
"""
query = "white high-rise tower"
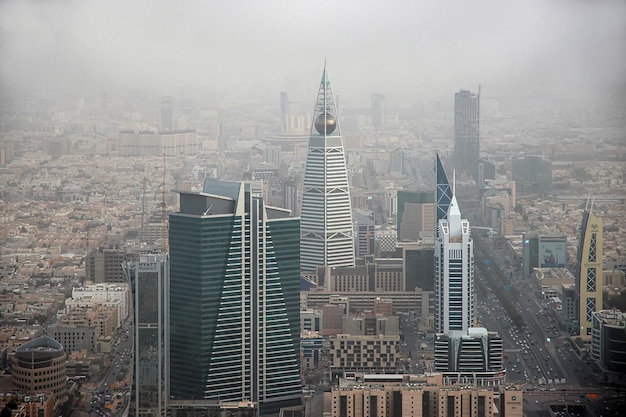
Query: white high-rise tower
(326, 215)
(454, 273)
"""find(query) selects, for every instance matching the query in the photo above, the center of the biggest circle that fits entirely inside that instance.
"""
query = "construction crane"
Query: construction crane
(163, 211)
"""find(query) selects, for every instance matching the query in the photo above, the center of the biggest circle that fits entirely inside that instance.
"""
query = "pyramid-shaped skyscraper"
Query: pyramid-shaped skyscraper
(326, 215)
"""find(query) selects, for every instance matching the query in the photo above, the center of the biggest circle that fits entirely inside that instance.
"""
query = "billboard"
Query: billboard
(552, 253)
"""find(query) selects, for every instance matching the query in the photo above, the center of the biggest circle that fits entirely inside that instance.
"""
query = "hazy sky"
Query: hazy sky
(394, 47)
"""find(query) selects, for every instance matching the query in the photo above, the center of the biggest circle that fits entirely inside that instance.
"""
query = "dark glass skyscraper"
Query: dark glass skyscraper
(234, 299)
(467, 132)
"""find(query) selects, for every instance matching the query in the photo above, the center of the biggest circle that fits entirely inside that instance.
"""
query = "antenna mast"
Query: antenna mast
(163, 211)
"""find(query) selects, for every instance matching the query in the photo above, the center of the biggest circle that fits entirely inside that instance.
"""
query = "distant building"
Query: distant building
(486, 172)
(149, 143)
(365, 234)
(167, 114)
(532, 174)
(396, 163)
(467, 133)
(105, 265)
(378, 110)
(530, 252)
(416, 215)
(57, 146)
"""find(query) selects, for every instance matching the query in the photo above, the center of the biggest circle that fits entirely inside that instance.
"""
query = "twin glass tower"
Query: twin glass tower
(326, 228)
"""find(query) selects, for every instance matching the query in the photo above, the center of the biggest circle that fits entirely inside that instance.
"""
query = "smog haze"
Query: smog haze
(400, 47)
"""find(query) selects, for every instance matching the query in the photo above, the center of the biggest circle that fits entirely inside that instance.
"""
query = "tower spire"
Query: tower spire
(325, 120)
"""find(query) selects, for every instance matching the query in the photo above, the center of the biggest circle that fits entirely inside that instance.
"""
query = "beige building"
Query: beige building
(411, 396)
(378, 353)
(103, 319)
(40, 365)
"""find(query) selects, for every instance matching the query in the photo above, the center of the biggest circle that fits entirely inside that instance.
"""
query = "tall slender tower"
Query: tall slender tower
(589, 271)
(467, 132)
(234, 299)
(463, 353)
(167, 114)
(454, 273)
(149, 279)
(326, 225)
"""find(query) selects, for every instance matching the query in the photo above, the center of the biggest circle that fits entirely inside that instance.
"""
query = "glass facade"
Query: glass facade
(234, 299)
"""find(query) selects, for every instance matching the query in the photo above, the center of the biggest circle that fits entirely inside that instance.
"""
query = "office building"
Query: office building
(326, 213)
(376, 354)
(365, 234)
(532, 174)
(378, 110)
(486, 172)
(43, 356)
(150, 278)
(234, 323)
(454, 273)
(530, 253)
(393, 395)
(474, 357)
(416, 215)
(467, 133)
(463, 353)
(419, 267)
(149, 143)
(105, 265)
(74, 338)
(167, 114)
(608, 341)
(589, 271)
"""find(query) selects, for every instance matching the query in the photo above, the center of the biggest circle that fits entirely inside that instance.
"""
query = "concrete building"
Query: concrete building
(149, 143)
(365, 233)
(40, 365)
(105, 265)
(234, 300)
(74, 338)
(416, 215)
(105, 293)
(326, 227)
(418, 396)
(532, 174)
(371, 324)
(374, 354)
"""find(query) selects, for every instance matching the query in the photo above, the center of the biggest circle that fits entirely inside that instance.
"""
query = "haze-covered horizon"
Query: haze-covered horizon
(400, 48)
